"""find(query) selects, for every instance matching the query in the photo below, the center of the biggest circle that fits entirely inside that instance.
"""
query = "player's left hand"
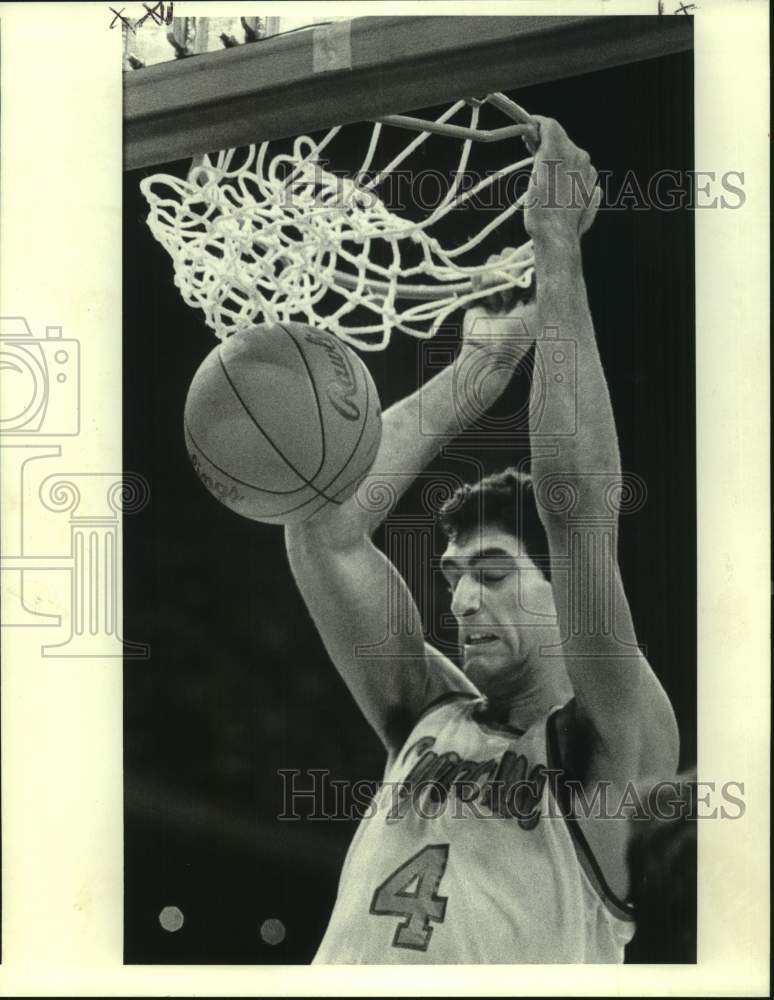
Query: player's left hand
(563, 195)
(502, 321)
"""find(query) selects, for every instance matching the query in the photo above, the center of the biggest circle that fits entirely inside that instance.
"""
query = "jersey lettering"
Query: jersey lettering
(507, 785)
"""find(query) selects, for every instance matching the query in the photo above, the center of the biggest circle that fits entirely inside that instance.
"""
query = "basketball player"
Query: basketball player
(474, 850)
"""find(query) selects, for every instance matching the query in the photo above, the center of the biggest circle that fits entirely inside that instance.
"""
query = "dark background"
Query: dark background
(238, 685)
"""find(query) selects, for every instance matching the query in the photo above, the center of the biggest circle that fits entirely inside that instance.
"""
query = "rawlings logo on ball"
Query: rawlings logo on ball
(221, 490)
(343, 387)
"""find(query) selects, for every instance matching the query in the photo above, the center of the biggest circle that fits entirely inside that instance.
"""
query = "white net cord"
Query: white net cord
(257, 239)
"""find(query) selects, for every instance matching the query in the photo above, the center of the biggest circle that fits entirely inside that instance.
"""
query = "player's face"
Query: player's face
(503, 605)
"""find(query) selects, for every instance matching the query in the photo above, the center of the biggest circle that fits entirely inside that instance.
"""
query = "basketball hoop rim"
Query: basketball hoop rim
(526, 127)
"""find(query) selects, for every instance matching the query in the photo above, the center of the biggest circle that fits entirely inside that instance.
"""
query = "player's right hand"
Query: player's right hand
(503, 319)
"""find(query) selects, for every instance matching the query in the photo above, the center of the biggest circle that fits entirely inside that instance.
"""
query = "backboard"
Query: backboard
(358, 69)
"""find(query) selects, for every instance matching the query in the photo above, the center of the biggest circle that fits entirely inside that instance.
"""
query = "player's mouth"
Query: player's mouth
(472, 640)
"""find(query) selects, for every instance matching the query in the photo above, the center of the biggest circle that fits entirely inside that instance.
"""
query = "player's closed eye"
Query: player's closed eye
(481, 577)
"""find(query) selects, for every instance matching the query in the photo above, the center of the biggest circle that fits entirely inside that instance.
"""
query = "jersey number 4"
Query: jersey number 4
(411, 892)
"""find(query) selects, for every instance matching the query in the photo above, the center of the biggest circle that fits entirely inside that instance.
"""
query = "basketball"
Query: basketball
(280, 420)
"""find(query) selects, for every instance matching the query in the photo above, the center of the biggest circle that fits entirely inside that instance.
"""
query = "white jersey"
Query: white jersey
(464, 856)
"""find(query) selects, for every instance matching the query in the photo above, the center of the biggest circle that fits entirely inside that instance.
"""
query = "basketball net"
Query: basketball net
(257, 238)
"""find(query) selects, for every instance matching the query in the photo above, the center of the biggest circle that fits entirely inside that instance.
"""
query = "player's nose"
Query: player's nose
(466, 599)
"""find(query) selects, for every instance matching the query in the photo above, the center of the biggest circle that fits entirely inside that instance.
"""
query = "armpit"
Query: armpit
(575, 742)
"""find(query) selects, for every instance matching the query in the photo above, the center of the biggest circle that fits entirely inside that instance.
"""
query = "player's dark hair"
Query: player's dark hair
(503, 500)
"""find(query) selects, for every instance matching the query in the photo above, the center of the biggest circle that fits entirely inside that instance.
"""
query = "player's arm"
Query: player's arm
(618, 697)
(363, 609)
(417, 426)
